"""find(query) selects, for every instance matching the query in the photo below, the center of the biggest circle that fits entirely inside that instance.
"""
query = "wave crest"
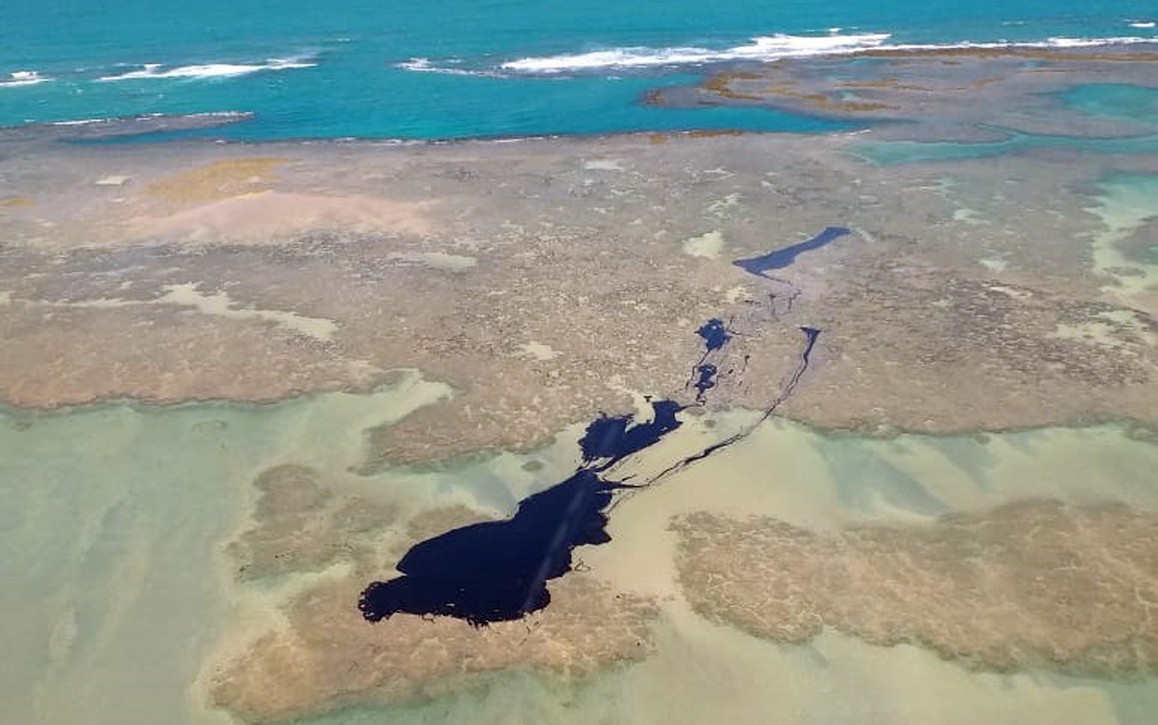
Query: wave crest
(23, 78)
(210, 70)
(423, 65)
(769, 48)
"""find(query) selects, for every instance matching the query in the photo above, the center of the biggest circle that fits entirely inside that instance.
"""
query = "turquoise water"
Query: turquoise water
(1110, 100)
(463, 67)
(1097, 100)
(893, 153)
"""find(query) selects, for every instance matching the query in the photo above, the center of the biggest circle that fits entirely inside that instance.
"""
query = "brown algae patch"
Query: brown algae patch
(216, 180)
(451, 259)
(326, 657)
(13, 202)
(303, 526)
(1035, 583)
(962, 86)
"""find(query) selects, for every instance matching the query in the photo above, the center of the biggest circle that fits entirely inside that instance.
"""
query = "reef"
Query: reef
(326, 657)
(1033, 584)
(543, 290)
(949, 92)
(318, 654)
(304, 526)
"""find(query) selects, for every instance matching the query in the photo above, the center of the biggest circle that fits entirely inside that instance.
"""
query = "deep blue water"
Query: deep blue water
(462, 67)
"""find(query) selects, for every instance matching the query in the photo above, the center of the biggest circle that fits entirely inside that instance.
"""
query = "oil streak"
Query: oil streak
(498, 570)
(782, 258)
(704, 376)
(715, 333)
(811, 336)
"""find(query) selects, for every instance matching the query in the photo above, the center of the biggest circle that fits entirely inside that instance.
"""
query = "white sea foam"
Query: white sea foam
(1089, 42)
(23, 78)
(1143, 24)
(1048, 44)
(223, 116)
(449, 67)
(210, 70)
(768, 48)
(762, 48)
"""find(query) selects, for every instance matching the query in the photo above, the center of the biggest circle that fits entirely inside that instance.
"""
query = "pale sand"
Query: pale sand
(436, 260)
(270, 217)
(707, 245)
(1126, 202)
(216, 304)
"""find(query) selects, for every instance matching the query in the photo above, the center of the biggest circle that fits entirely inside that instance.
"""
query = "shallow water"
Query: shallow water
(110, 541)
(115, 516)
(891, 153)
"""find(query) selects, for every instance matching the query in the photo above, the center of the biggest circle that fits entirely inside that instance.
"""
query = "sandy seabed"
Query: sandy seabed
(113, 550)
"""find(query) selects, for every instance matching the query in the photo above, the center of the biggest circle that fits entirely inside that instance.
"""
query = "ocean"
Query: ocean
(384, 70)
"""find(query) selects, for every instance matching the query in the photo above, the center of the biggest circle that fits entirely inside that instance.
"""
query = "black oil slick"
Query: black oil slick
(499, 570)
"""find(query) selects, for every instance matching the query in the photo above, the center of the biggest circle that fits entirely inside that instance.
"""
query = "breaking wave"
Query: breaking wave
(210, 70)
(762, 48)
(768, 48)
(23, 78)
(451, 67)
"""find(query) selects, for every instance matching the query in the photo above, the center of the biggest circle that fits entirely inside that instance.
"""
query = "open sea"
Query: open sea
(469, 68)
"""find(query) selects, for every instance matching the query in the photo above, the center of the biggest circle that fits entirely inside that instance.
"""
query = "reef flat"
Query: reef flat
(542, 279)
(1034, 583)
(962, 94)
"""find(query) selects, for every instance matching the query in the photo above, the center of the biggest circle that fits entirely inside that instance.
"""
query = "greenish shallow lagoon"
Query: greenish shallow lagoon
(110, 540)
(116, 587)
(894, 153)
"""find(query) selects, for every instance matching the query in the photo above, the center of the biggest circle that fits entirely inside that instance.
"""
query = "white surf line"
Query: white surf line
(23, 78)
(208, 70)
(774, 47)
